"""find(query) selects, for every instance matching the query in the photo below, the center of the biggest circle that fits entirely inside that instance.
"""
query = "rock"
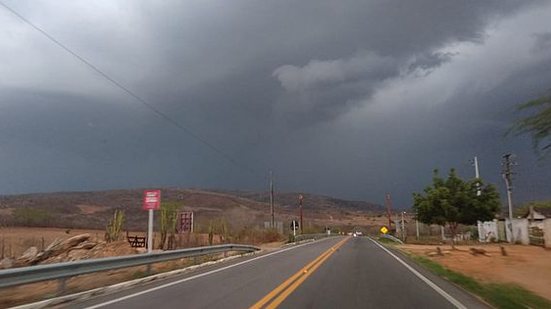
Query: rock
(477, 251)
(86, 245)
(28, 256)
(58, 247)
(77, 254)
(6, 263)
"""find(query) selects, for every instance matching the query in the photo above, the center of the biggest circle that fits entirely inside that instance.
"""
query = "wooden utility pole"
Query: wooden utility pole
(272, 221)
(300, 198)
(388, 203)
(508, 177)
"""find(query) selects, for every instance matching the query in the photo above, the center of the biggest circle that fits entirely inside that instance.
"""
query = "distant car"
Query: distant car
(354, 234)
(359, 234)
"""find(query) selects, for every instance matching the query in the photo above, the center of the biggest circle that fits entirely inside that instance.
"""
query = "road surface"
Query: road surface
(340, 272)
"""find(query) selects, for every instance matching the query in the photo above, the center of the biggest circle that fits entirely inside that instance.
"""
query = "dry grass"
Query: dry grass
(527, 266)
(15, 240)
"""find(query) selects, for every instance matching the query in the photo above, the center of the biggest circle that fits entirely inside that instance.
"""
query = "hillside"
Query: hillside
(92, 210)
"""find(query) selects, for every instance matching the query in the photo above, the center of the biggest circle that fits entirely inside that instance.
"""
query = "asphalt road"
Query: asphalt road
(333, 273)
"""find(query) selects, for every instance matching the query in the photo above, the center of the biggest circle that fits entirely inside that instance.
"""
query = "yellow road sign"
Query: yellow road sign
(383, 229)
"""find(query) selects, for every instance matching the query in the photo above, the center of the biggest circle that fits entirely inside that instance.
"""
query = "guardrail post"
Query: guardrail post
(61, 286)
(148, 269)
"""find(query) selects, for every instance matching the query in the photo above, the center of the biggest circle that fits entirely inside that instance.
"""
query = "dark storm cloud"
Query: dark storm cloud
(543, 41)
(338, 97)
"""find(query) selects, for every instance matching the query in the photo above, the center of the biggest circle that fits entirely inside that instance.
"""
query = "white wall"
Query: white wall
(487, 231)
(520, 231)
(547, 232)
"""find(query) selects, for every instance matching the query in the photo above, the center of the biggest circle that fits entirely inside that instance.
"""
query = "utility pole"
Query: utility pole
(388, 203)
(476, 175)
(417, 226)
(403, 228)
(272, 222)
(300, 198)
(507, 176)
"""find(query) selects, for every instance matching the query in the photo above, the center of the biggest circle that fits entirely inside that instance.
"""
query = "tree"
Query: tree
(538, 124)
(168, 219)
(453, 201)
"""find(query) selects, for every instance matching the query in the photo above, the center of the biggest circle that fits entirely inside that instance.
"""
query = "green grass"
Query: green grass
(386, 241)
(498, 295)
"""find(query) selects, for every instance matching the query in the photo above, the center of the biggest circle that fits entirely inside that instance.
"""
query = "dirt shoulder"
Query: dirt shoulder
(527, 266)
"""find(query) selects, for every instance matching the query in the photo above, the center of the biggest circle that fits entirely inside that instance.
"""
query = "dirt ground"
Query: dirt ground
(527, 266)
(15, 240)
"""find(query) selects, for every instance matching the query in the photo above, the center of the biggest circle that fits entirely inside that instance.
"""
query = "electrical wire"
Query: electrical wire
(141, 100)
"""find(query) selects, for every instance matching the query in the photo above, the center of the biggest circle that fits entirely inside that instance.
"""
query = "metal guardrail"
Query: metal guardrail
(392, 238)
(302, 237)
(30, 274)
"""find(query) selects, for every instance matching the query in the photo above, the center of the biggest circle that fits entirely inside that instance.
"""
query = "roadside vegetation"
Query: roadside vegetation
(453, 201)
(537, 124)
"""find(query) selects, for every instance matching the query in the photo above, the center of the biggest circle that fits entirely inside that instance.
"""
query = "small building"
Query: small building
(536, 215)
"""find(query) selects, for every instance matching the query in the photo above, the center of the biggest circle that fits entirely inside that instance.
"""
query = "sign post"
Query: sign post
(151, 201)
(300, 199)
(294, 225)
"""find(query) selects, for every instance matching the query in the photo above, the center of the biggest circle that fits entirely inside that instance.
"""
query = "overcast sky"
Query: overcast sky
(344, 98)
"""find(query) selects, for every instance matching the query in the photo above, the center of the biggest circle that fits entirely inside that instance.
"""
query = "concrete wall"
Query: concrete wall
(501, 230)
(487, 231)
(547, 232)
(519, 231)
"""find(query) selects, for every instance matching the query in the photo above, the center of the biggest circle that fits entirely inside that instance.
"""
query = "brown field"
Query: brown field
(527, 266)
(15, 240)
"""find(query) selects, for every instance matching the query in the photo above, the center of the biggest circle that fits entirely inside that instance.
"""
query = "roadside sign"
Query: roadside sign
(152, 199)
(151, 202)
(383, 229)
(185, 222)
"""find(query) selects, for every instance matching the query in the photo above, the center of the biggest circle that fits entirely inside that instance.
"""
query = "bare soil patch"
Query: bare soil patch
(527, 266)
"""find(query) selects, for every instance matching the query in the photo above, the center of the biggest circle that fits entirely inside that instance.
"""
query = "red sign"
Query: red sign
(152, 199)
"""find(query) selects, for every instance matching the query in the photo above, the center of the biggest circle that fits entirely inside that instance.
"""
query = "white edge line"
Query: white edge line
(435, 287)
(192, 277)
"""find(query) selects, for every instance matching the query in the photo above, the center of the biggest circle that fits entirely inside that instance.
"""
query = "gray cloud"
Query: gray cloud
(348, 98)
(325, 73)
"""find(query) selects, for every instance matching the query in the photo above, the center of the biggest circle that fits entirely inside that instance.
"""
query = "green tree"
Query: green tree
(538, 124)
(453, 201)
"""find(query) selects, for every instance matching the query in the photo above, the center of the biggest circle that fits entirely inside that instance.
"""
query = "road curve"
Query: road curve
(333, 273)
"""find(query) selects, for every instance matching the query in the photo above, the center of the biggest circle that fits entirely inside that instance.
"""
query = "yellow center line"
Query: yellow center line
(293, 282)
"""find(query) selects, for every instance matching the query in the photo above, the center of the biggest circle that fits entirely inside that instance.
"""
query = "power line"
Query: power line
(132, 94)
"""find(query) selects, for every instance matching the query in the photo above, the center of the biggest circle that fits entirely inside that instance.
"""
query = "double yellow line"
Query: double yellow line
(280, 293)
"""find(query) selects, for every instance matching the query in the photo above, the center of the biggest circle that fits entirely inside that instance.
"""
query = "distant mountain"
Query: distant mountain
(289, 200)
(239, 209)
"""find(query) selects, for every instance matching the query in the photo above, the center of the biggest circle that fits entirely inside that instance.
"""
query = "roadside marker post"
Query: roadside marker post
(294, 225)
(151, 202)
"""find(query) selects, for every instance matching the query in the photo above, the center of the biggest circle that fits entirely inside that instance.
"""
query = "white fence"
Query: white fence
(518, 230)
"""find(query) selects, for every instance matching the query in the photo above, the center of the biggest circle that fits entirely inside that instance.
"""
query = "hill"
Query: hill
(92, 210)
